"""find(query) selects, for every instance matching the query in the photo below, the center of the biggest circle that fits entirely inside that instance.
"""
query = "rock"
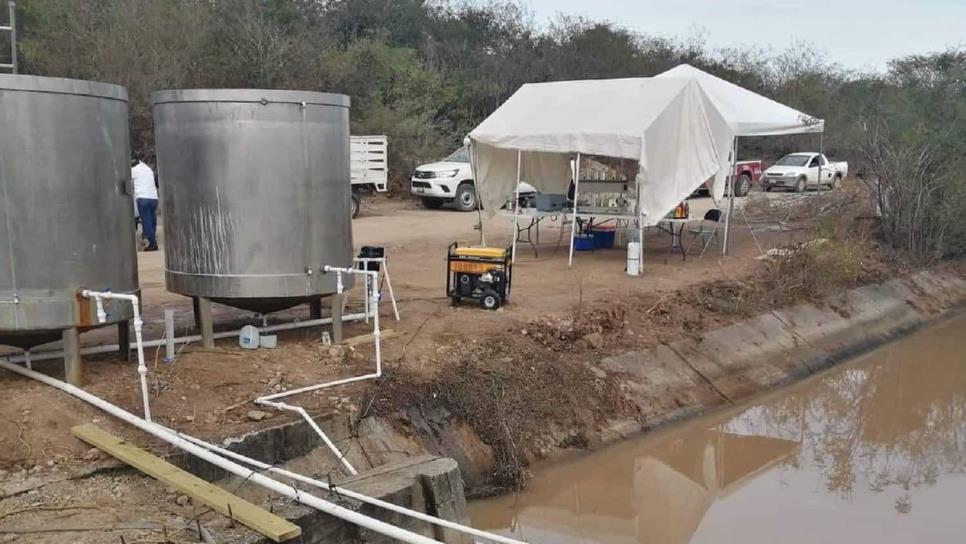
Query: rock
(277, 380)
(599, 373)
(594, 340)
(182, 500)
(523, 332)
(92, 454)
(257, 415)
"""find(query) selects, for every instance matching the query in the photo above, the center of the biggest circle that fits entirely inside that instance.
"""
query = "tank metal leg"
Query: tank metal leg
(124, 340)
(203, 317)
(73, 364)
(315, 309)
(336, 318)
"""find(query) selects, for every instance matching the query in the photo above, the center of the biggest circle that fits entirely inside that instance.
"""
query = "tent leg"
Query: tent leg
(725, 246)
(821, 152)
(573, 218)
(516, 209)
(476, 189)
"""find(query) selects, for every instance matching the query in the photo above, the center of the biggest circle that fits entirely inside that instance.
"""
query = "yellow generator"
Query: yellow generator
(479, 273)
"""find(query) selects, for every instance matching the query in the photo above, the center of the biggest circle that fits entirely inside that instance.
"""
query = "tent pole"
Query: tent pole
(516, 208)
(573, 218)
(476, 189)
(640, 226)
(821, 153)
(725, 246)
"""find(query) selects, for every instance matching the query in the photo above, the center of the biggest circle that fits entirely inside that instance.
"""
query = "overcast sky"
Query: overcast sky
(861, 34)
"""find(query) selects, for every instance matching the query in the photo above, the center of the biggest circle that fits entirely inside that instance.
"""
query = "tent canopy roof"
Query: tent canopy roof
(746, 112)
(660, 123)
(596, 117)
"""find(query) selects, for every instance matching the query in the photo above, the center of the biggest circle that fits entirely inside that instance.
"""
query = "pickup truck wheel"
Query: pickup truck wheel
(836, 181)
(354, 206)
(465, 197)
(431, 203)
(800, 186)
(743, 186)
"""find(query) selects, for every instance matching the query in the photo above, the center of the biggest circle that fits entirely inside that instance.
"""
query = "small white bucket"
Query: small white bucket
(268, 341)
(633, 258)
(248, 337)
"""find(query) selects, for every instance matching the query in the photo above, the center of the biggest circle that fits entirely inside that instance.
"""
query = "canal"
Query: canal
(872, 451)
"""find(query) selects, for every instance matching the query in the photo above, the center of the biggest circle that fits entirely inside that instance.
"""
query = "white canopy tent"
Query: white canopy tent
(663, 124)
(736, 111)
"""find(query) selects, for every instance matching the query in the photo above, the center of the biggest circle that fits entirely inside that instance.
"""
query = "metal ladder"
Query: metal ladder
(12, 29)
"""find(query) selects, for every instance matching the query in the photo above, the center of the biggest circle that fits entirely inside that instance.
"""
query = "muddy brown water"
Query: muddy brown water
(872, 451)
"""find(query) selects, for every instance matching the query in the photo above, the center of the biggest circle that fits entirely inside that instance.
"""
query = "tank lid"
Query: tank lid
(59, 85)
(250, 95)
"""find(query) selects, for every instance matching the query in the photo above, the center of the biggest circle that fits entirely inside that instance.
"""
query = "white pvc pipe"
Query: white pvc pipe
(372, 296)
(392, 507)
(99, 297)
(110, 348)
(384, 266)
(255, 477)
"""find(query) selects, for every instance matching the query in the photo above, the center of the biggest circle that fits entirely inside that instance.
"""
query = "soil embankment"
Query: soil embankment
(498, 406)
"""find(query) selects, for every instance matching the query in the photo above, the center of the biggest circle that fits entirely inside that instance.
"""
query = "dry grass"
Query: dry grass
(513, 394)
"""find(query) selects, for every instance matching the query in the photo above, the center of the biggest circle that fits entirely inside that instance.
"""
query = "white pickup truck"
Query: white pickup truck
(799, 171)
(451, 180)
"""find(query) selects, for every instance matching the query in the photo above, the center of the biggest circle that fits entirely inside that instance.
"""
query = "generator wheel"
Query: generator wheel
(490, 300)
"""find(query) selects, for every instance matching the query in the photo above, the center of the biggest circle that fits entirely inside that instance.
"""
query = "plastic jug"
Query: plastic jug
(248, 337)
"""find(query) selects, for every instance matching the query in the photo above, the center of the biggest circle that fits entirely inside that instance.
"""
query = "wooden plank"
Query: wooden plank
(252, 516)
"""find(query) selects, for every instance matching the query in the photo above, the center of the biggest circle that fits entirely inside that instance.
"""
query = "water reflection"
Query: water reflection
(848, 455)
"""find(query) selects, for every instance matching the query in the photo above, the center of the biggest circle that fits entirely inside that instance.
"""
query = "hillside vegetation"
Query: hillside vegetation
(425, 73)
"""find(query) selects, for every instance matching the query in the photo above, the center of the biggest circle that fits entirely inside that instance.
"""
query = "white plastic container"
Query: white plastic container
(248, 337)
(268, 341)
(634, 258)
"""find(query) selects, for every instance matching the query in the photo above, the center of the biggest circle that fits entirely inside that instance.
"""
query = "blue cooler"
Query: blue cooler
(604, 238)
(584, 242)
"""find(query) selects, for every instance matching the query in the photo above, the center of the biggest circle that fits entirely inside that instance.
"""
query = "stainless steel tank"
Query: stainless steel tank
(255, 192)
(66, 210)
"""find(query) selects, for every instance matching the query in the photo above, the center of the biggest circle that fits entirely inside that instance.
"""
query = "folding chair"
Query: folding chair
(706, 229)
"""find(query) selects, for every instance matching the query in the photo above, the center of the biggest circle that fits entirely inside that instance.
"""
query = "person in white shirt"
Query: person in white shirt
(146, 200)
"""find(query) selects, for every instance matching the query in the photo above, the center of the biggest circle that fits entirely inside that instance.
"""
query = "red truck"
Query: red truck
(747, 172)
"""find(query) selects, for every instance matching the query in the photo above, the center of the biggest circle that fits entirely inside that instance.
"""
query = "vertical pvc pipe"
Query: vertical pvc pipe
(516, 208)
(573, 218)
(169, 336)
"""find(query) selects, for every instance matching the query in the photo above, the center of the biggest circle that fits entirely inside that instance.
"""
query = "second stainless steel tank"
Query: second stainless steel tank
(255, 193)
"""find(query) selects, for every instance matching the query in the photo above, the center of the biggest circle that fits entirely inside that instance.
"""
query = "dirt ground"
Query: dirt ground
(208, 393)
